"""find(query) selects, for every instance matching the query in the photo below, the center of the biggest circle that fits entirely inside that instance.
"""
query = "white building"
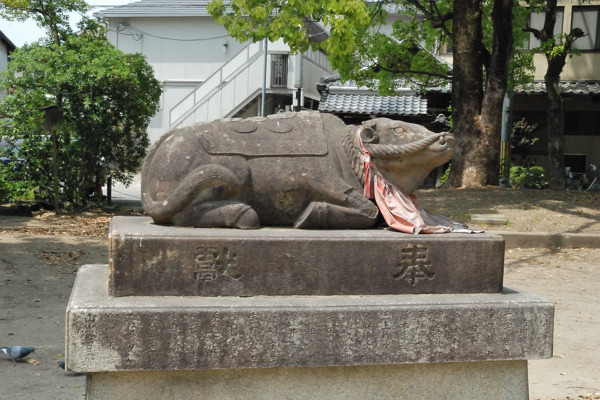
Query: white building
(205, 73)
(6, 47)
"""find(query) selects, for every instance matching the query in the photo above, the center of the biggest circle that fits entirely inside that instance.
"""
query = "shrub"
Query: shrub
(533, 177)
(13, 189)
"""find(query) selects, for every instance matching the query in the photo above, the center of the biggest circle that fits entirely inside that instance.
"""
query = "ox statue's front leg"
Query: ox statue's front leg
(358, 212)
(226, 214)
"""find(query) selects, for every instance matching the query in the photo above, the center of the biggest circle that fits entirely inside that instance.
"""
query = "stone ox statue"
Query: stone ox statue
(303, 169)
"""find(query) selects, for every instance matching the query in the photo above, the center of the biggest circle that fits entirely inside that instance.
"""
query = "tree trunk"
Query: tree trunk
(556, 63)
(468, 164)
(478, 117)
(493, 101)
(555, 129)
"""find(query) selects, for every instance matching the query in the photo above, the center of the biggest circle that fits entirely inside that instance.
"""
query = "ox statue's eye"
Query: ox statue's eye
(400, 131)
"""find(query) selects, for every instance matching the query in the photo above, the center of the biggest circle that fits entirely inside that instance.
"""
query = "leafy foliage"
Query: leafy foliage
(107, 99)
(14, 9)
(356, 47)
(12, 189)
(407, 52)
(528, 177)
(52, 15)
(365, 44)
(275, 19)
(444, 177)
(523, 134)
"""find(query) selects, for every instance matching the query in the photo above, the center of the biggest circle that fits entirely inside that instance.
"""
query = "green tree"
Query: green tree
(359, 50)
(107, 99)
(52, 15)
(556, 48)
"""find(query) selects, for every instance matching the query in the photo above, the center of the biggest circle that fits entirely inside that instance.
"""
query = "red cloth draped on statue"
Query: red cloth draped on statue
(402, 213)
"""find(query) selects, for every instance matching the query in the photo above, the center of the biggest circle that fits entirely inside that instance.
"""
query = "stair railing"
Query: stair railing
(203, 92)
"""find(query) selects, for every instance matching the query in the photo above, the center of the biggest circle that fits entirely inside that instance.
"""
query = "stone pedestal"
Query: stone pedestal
(147, 260)
(406, 337)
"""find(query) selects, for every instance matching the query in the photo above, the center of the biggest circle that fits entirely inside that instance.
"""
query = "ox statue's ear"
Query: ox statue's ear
(368, 135)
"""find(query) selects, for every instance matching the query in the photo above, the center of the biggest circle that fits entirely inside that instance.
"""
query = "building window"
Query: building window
(279, 70)
(536, 21)
(586, 18)
(583, 123)
(577, 163)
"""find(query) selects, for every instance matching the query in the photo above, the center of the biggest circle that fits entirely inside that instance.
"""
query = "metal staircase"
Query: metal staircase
(226, 91)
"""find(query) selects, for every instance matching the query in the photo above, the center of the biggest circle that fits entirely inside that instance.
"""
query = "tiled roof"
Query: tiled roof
(373, 104)
(566, 87)
(348, 98)
(157, 8)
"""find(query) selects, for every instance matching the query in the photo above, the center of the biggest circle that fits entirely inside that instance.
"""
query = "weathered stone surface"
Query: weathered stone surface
(500, 380)
(303, 169)
(149, 259)
(140, 333)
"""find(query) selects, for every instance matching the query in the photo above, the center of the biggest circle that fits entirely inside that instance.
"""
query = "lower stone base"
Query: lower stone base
(492, 380)
(139, 333)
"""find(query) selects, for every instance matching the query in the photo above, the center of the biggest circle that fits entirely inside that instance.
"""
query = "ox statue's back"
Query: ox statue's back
(304, 169)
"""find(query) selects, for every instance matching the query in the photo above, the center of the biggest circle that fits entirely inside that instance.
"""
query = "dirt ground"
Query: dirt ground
(40, 255)
(525, 210)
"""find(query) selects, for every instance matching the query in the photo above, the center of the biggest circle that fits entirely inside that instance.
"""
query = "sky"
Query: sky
(27, 32)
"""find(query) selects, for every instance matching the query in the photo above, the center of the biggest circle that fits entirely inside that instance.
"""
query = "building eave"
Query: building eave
(9, 44)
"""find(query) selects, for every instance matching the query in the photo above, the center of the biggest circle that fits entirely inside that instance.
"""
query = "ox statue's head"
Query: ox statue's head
(404, 153)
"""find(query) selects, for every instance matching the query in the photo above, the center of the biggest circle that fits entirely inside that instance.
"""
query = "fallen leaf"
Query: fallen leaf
(33, 361)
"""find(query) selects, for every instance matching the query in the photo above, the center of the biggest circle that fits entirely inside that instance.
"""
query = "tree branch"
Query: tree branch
(433, 15)
(536, 32)
(441, 21)
(575, 34)
(378, 67)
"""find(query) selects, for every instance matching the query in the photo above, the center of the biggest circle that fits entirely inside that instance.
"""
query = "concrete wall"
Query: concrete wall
(183, 49)
(314, 66)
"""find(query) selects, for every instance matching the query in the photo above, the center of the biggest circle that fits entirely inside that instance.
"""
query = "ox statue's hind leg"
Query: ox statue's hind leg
(216, 199)
(359, 213)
